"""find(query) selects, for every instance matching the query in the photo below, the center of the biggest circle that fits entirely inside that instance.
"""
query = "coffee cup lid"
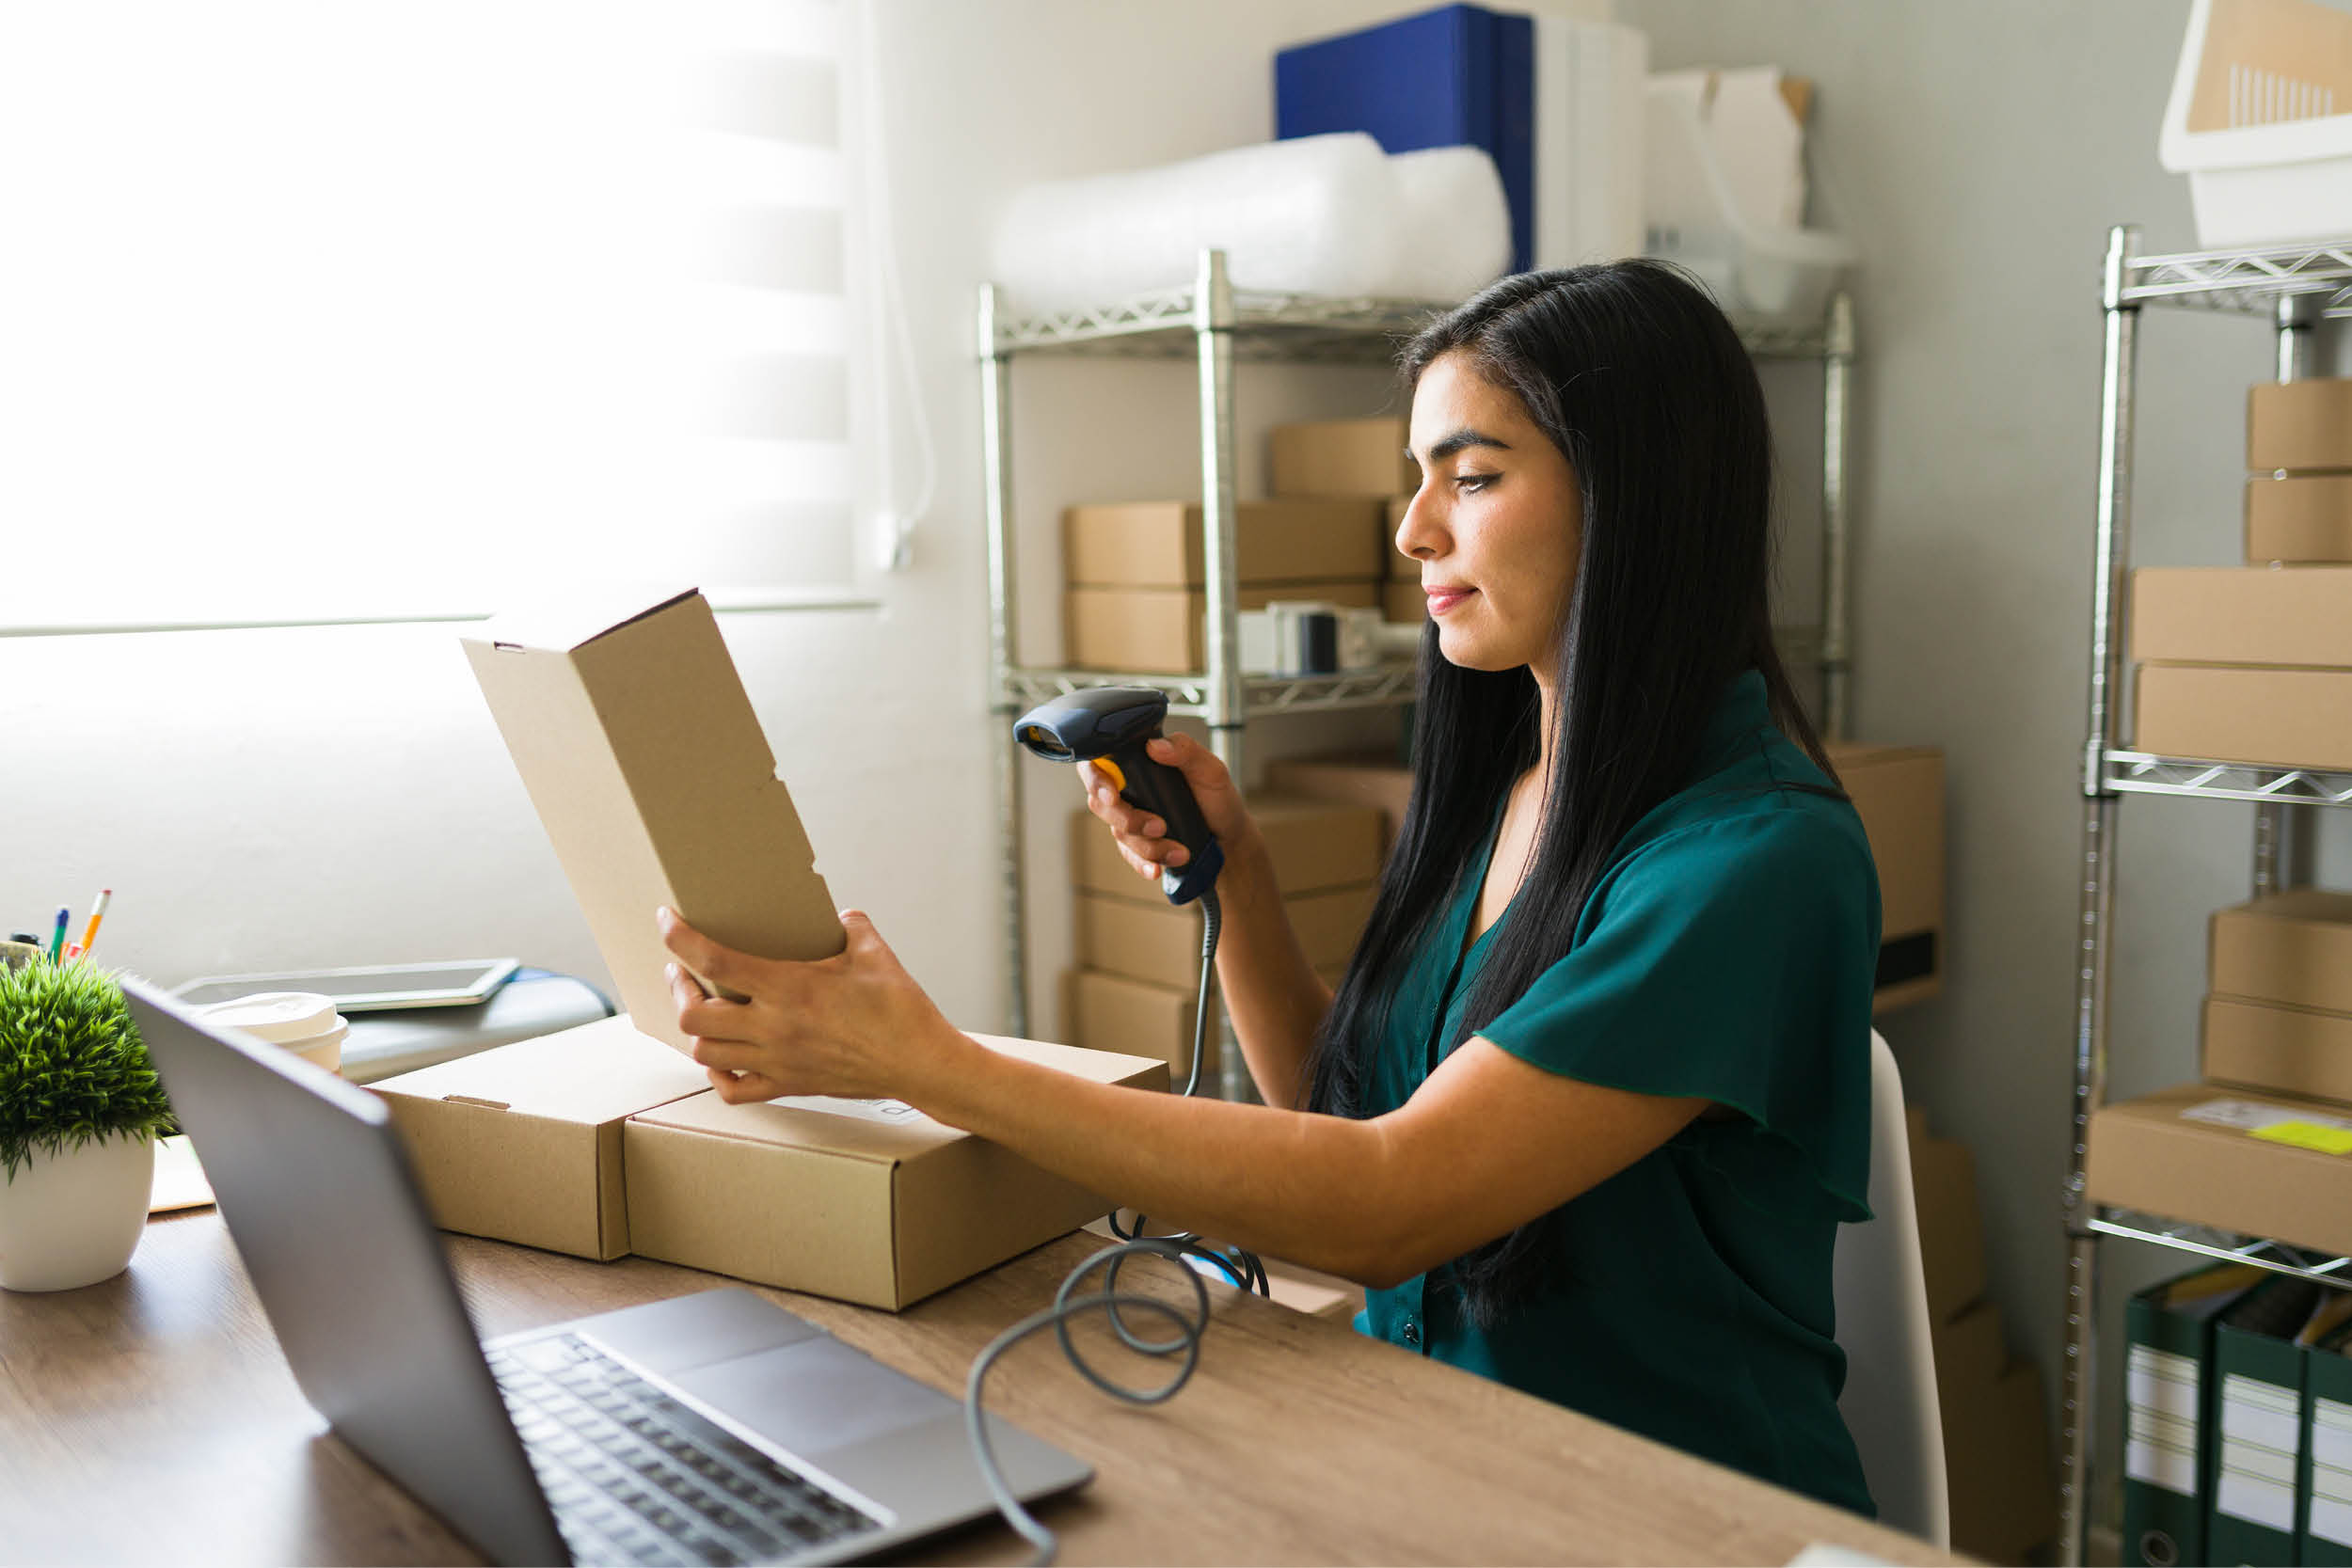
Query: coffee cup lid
(277, 1016)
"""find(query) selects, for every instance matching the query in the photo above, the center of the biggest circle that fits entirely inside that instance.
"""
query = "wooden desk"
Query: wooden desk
(153, 1418)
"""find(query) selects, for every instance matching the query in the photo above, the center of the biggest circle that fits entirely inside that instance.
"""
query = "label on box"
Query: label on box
(890, 1113)
(2300, 1129)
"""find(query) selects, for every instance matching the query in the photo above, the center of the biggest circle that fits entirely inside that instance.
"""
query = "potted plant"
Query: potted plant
(80, 1109)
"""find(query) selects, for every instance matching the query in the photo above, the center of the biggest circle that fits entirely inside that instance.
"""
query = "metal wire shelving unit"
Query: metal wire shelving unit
(2294, 288)
(1218, 326)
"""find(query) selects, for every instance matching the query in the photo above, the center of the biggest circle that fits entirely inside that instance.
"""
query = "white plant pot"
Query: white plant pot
(72, 1219)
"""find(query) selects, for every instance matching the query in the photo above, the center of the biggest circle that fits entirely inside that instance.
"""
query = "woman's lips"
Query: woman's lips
(1445, 595)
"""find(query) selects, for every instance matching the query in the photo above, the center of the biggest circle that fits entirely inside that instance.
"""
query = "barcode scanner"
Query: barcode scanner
(1108, 725)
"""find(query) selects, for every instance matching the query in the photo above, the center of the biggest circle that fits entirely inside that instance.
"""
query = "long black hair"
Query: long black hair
(1645, 389)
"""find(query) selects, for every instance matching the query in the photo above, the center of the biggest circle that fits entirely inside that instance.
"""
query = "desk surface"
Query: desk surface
(152, 1417)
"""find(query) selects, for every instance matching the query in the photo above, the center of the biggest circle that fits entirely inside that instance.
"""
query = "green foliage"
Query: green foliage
(73, 1068)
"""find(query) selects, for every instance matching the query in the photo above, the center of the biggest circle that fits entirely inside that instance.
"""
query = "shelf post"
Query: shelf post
(1213, 318)
(2078, 1407)
(2279, 830)
(1837, 357)
(1002, 629)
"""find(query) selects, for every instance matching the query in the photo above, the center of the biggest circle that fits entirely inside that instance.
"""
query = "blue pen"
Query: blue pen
(56, 943)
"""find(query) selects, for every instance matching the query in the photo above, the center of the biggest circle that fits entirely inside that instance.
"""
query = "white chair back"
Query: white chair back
(1890, 1403)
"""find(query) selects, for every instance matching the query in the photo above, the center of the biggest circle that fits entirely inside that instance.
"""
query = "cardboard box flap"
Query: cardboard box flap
(574, 622)
(596, 1073)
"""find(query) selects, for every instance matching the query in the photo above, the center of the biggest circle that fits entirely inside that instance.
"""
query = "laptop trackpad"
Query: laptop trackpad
(816, 1395)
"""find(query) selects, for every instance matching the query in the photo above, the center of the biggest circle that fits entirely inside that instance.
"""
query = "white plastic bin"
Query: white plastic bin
(1757, 269)
(2253, 121)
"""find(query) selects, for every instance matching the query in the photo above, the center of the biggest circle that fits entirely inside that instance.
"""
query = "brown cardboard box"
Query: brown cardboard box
(2294, 948)
(2145, 1154)
(651, 776)
(1313, 1292)
(2303, 517)
(868, 1201)
(1951, 1227)
(522, 1142)
(1164, 632)
(1898, 792)
(2237, 713)
(2292, 1051)
(1342, 457)
(2243, 615)
(1405, 601)
(1402, 567)
(1359, 780)
(1970, 1352)
(1161, 945)
(1313, 845)
(2298, 424)
(1996, 1462)
(1159, 543)
(1111, 1012)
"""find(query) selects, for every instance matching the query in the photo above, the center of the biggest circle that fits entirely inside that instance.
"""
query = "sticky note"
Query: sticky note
(2308, 1134)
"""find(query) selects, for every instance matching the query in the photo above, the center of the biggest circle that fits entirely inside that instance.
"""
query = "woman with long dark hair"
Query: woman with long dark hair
(1592, 1099)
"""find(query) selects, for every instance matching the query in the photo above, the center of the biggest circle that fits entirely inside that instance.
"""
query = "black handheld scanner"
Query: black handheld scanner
(1107, 726)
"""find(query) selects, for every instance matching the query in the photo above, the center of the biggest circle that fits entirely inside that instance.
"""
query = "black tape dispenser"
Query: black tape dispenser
(1107, 726)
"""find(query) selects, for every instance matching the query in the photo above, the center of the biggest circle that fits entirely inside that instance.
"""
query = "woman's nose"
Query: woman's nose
(1421, 534)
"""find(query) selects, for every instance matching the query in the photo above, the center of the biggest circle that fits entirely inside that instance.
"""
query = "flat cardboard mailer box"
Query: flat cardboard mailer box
(1314, 845)
(1342, 457)
(868, 1201)
(1160, 945)
(2256, 1163)
(2293, 948)
(2294, 1051)
(2298, 425)
(1161, 543)
(2299, 518)
(1898, 791)
(522, 1142)
(1164, 632)
(2265, 615)
(2238, 713)
(648, 770)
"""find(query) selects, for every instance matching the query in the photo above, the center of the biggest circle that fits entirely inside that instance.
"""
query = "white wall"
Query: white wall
(1979, 153)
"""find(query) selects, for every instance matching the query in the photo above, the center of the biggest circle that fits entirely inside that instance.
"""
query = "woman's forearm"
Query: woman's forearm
(1291, 1186)
(1273, 995)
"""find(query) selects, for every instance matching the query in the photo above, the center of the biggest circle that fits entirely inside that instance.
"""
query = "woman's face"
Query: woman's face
(1496, 525)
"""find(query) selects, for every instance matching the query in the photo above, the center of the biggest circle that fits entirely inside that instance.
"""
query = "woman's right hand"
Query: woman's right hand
(1141, 834)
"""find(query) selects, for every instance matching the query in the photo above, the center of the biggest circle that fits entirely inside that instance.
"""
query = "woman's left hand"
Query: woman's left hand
(854, 1025)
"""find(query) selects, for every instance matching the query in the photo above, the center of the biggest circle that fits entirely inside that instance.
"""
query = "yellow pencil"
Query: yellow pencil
(96, 914)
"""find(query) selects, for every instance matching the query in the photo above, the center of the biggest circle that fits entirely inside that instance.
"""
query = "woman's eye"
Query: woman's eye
(1473, 482)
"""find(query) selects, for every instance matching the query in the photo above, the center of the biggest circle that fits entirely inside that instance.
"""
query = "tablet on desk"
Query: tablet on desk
(371, 988)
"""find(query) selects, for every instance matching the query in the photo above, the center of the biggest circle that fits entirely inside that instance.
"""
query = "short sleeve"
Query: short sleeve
(1731, 960)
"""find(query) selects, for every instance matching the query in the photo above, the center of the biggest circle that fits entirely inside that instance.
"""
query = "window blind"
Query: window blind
(411, 308)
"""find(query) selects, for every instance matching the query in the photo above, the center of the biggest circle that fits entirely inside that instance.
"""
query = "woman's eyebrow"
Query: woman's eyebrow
(1461, 441)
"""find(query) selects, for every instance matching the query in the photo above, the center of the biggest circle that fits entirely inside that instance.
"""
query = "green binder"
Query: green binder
(2167, 1408)
(2324, 1538)
(2258, 1385)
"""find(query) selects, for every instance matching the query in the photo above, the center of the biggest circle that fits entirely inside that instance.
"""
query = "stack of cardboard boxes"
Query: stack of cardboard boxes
(1361, 459)
(1898, 791)
(2254, 663)
(1997, 1446)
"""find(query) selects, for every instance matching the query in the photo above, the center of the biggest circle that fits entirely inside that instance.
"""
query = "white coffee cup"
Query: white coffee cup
(303, 1021)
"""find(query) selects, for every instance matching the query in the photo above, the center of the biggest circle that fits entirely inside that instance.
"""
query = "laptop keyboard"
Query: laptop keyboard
(633, 1474)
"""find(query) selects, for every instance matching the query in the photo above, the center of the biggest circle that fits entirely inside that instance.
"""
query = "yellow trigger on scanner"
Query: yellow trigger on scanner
(1111, 771)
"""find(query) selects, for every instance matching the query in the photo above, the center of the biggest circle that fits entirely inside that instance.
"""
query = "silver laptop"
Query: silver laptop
(709, 1428)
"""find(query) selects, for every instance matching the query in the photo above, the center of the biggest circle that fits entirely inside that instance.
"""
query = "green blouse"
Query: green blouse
(1728, 951)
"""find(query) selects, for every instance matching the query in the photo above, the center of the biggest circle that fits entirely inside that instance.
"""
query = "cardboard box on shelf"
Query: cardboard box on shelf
(1404, 600)
(1342, 457)
(868, 1201)
(1368, 780)
(2298, 425)
(1112, 1012)
(648, 770)
(1159, 543)
(1898, 791)
(1164, 632)
(1970, 1351)
(1313, 845)
(1402, 567)
(522, 1142)
(2233, 1159)
(2300, 518)
(2292, 1051)
(2238, 713)
(1161, 945)
(2003, 1492)
(1951, 1227)
(2260, 615)
(2294, 948)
